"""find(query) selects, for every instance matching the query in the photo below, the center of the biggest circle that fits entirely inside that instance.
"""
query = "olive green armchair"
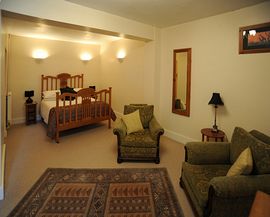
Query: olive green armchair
(142, 145)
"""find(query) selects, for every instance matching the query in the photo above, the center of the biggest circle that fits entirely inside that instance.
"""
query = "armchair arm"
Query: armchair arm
(155, 129)
(240, 186)
(207, 152)
(120, 128)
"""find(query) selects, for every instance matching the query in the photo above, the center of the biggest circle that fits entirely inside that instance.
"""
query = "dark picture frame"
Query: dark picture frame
(254, 38)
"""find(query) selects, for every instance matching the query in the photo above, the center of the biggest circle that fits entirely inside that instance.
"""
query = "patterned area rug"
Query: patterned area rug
(101, 192)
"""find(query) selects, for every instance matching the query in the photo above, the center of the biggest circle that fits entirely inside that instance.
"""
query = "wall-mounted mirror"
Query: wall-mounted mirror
(181, 81)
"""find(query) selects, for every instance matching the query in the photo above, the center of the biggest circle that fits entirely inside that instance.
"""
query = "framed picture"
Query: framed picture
(254, 39)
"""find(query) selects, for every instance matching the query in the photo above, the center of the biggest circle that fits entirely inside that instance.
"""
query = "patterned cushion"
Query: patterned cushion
(241, 139)
(146, 112)
(261, 156)
(261, 136)
(199, 176)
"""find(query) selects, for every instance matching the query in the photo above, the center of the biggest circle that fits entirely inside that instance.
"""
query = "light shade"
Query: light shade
(85, 56)
(121, 54)
(40, 54)
(215, 100)
(28, 93)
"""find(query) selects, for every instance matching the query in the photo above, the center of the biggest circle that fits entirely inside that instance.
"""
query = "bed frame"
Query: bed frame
(73, 114)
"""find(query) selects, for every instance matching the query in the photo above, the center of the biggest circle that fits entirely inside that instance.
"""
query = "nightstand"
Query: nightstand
(31, 113)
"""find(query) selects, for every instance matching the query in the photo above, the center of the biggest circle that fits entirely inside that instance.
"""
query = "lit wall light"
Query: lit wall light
(40, 54)
(121, 55)
(86, 56)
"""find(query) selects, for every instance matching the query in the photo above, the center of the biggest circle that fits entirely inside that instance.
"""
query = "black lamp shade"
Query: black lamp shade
(93, 87)
(215, 100)
(28, 93)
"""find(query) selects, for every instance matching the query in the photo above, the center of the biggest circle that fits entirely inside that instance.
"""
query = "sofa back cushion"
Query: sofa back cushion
(261, 157)
(241, 139)
(261, 136)
(146, 112)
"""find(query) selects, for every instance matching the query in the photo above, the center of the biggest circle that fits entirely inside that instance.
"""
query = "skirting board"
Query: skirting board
(22, 120)
(2, 172)
(178, 137)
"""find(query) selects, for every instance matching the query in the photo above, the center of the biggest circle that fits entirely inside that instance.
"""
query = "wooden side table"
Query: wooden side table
(31, 113)
(208, 133)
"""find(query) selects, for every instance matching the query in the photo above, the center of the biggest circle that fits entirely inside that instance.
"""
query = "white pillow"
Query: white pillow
(50, 94)
(133, 122)
(243, 164)
(77, 89)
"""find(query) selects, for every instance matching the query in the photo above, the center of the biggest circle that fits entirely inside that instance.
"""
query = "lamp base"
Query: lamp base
(215, 129)
(29, 100)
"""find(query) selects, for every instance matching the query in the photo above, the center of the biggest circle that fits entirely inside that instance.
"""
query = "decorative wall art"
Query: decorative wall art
(254, 39)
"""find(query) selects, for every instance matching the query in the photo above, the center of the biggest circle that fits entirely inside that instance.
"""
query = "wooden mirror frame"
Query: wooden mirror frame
(175, 110)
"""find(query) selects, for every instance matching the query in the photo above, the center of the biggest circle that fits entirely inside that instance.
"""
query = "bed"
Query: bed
(72, 109)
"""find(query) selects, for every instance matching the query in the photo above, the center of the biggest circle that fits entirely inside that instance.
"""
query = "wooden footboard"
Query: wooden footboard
(75, 110)
(85, 107)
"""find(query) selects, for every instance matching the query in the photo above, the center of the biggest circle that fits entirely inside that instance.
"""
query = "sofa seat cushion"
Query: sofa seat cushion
(140, 139)
(199, 176)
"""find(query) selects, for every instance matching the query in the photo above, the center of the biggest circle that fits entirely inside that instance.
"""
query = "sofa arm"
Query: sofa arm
(207, 152)
(155, 129)
(240, 186)
(120, 128)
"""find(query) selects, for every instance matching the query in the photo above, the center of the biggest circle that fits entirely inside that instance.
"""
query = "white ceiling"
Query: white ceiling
(164, 13)
(37, 29)
(159, 13)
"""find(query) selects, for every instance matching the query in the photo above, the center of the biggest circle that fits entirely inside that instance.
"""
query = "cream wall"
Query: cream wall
(242, 80)
(25, 72)
(133, 78)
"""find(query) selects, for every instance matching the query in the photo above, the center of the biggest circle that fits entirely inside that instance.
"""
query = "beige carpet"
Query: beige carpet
(30, 152)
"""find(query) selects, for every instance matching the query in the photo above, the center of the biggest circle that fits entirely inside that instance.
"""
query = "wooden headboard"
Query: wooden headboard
(61, 80)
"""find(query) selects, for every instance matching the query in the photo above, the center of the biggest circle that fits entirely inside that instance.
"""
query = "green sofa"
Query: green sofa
(211, 192)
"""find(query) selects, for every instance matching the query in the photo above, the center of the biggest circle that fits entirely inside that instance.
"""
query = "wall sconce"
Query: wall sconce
(121, 55)
(86, 56)
(40, 54)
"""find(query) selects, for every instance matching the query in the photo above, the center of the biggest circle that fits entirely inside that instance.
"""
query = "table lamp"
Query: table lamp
(29, 94)
(215, 100)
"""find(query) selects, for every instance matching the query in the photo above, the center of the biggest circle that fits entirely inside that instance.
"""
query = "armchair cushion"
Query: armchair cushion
(133, 122)
(243, 165)
(140, 139)
(146, 112)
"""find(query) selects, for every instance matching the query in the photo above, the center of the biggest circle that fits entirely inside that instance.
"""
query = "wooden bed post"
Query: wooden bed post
(57, 118)
(42, 78)
(110, 101)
